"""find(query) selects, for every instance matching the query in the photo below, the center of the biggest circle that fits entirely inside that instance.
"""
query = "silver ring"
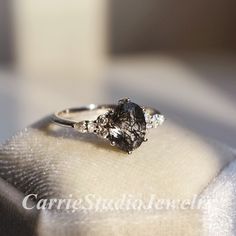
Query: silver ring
(124, 125)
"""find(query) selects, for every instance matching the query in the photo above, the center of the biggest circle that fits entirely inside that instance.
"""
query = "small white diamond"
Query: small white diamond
(91, 126)
(81, 127)
(102, 120)
(149, 125)
(148, 119)
(103, 133)
(157, 120)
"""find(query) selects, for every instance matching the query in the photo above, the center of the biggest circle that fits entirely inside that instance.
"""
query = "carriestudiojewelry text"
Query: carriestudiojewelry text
(96, 203)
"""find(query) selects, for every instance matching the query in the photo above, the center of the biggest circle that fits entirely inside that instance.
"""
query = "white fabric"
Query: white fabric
(219, 215)
(56, 162)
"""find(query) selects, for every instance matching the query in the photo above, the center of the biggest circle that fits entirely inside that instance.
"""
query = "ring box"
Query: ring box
(59, 163)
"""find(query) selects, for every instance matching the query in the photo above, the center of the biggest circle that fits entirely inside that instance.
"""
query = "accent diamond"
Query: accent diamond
(81, 127)
(92, 126)
(154, 121)
(157, 120)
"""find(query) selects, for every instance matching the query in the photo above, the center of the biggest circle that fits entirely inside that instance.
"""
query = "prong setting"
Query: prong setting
(113, 143)
(124, 100)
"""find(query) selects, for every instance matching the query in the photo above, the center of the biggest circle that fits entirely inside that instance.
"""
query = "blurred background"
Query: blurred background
(178, 56)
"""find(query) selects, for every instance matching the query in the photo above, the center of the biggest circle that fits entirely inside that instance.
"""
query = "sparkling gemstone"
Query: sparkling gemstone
(127, 126)
(81, 127)
(154, 121)
(157, 120)
(148, 119)
(91, 126)
(102, 120)
(103, 132)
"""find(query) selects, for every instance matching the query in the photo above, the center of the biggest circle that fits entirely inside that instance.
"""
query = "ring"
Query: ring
(124, 125)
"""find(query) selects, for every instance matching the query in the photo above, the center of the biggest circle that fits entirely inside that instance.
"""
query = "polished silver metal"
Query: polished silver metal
(58, 117)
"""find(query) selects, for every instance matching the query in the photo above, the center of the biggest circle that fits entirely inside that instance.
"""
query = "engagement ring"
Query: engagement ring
(124, 125)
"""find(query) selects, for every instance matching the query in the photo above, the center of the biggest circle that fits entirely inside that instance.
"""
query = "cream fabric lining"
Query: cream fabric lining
(219, 214)
(175, 164)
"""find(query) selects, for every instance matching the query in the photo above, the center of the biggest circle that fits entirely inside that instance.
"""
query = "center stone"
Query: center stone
(127, 126)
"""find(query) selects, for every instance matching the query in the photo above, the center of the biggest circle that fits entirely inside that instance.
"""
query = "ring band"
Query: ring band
(124, 125)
